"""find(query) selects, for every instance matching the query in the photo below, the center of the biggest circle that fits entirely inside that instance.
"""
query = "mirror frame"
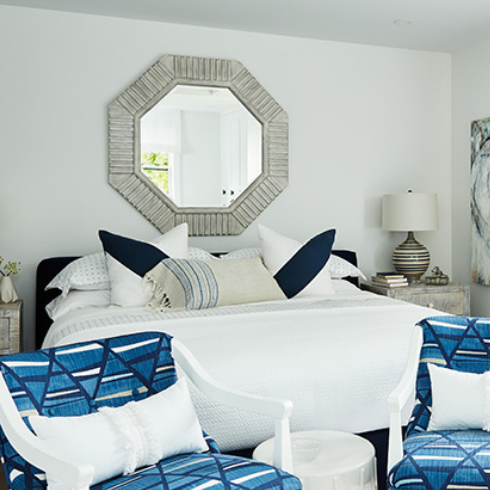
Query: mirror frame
(126, 110)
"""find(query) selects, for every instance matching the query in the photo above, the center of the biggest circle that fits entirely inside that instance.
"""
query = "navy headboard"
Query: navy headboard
(48, 268)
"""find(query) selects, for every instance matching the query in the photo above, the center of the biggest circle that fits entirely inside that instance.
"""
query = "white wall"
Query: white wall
(364, 121)
(471, 101)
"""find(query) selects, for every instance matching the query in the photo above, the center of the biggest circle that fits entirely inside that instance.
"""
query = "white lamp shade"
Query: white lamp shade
(410, 212)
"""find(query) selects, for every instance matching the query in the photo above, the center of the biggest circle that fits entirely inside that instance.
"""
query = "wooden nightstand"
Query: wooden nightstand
(452, 298)
(10, 327)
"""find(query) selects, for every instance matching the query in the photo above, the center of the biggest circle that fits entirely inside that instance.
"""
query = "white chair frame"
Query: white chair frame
(400, 396)
(78, 474)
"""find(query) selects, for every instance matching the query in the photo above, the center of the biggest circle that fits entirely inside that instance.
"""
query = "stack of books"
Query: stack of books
(389, 280)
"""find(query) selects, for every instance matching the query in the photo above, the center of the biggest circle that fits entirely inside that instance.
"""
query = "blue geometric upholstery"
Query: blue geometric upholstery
(76, 379)
(446, 459)
(195, 471)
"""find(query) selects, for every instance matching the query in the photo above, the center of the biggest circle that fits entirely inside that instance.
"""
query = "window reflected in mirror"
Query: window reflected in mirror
(200, 146)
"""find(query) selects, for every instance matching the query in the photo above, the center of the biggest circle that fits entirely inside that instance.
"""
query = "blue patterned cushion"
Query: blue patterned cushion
(129, 260)
(443, 460)
(137, 256)
(299, 269)
(199, 471)
(76, 379)
(446, 459)
(305, 264)
(458, 343)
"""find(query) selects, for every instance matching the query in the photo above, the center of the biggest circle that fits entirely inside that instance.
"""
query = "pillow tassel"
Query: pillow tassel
(159, 297)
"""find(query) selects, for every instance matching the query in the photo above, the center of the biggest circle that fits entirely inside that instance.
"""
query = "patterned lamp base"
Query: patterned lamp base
(411, 258)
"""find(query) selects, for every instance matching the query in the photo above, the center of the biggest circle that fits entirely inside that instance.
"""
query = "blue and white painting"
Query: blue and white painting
(480, 201)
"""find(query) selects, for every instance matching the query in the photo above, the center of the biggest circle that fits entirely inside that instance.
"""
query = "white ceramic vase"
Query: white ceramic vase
(8, 294)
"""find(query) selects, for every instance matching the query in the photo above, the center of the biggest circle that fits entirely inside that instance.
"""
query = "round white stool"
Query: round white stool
(328, 460)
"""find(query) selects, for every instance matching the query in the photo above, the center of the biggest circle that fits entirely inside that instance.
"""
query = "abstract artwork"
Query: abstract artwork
(480, 201)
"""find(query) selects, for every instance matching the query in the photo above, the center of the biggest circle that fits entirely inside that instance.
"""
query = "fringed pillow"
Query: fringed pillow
(180, 284)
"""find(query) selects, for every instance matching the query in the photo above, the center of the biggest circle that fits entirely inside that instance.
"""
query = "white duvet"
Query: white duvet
(337, 358)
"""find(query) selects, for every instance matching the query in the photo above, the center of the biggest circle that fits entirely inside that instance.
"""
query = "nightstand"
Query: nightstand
(452, 298)
(10, 327)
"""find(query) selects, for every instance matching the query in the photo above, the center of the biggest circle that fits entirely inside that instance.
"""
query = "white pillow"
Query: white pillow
(339, 268)
(200, 254)
(87, 272)
(127, 287)
(75, 300)
(278, 250)
(460, 400)
(241, 253)
(120, 440)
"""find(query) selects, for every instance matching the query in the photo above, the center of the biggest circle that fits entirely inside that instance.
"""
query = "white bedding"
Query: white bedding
(337, 358)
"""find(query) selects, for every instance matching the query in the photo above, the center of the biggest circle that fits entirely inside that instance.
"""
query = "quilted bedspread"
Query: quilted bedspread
(337, 358)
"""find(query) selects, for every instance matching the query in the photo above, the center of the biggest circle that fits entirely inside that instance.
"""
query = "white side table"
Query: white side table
(328, 460)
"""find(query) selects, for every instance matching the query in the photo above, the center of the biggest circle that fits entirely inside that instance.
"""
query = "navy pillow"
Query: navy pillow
(305, 264)
(140, 257)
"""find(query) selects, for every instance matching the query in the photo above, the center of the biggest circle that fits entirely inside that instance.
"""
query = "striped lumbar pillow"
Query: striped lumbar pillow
(179, 284)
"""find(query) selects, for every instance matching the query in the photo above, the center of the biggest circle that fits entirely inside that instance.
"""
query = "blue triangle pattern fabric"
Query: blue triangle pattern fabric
(199, 471)
(76, 379)
(305, 264)
(443, 460)
(449, 459)
(459, 343)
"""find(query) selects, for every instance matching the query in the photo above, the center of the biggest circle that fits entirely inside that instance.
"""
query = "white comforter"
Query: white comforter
(336, 358)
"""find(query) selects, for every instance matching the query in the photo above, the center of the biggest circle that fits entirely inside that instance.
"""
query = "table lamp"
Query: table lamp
(410, 212)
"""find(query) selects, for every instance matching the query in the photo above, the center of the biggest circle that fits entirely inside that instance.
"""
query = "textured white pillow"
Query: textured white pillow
(460, 400)
(339, 268)
(87, 272)
(278, 249)
(200, 254)
(75, 300)
(120, 440)
(128, 288)
(241, 253)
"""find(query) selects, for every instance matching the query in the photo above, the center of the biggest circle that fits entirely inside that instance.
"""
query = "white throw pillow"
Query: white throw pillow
(87, 272)
(460, 400)
(201, 254)
(75, 300)
(241, 253)
(339, 268)
(278, 250)
(128, 287)
(120, 440)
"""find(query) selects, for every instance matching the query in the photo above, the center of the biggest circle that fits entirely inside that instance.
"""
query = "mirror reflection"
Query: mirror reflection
(200, 146)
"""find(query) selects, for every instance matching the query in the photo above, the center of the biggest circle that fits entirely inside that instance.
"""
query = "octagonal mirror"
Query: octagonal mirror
(200, 146)
(198, 140)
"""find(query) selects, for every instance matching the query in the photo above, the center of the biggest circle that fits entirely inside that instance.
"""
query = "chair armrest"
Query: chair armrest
(268, 406)
(76, 474)
(276, 408)
(400, 396)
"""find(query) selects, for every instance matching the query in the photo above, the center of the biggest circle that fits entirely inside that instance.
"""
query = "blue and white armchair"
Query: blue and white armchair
(95, 381)
(445, 445)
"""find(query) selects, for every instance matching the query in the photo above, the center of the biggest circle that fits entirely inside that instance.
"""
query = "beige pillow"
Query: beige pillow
(181, 284)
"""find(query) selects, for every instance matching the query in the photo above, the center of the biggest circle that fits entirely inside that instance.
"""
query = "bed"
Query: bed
(336, 358)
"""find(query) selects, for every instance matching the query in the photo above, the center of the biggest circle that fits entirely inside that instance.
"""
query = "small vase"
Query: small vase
(8, 294)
